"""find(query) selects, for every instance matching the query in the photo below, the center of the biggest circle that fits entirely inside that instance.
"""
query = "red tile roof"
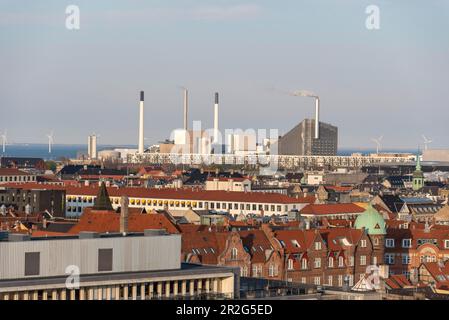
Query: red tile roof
(13, 172)
(304, 238)
(339, 188)
(209, 245)
(109, 221)
(339, 238)
(167, 193)
(397, 281)
(257, 244)
(330, 209)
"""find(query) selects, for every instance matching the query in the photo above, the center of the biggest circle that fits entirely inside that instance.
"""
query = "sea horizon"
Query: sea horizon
(71, 151)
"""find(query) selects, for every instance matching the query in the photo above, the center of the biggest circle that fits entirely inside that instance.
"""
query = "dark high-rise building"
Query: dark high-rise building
(301, 140)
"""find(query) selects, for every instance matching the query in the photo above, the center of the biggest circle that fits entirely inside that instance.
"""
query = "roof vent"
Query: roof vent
(154, 232)
(15, 237)
(88, 235)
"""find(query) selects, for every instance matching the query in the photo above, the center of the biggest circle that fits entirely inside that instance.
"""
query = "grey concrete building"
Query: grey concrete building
(95, 266)
(301, 140)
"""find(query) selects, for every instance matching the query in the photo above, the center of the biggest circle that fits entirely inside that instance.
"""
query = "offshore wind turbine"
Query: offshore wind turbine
(50, 137)
(426, 141)
(377, 142)
(4, 140)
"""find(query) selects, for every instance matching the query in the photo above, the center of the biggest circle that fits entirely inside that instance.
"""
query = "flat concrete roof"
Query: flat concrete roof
(186, 269)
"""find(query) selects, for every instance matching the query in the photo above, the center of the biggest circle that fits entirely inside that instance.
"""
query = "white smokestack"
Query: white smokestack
(186, 98)
(141, 123)
(317, 118)
(93, 148)
(89, 147)
(216, 119)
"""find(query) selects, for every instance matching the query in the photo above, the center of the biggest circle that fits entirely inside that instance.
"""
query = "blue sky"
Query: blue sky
(392, 82)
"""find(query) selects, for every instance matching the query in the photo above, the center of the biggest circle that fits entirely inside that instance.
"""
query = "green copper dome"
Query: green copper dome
(372, 221)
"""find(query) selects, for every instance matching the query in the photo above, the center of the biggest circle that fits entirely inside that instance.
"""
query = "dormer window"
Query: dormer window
(290, 264)
(363, 243)
(317, 245)
(234, 253)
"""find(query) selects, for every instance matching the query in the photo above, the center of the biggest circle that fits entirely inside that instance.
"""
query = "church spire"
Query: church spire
(418, 161)
(102, 202)
(418, 175)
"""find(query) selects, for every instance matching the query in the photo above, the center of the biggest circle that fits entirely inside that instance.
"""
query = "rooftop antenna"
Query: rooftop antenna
(426, 141)
(304, 93)
(50, 137)
(4, 140)
(377, 142)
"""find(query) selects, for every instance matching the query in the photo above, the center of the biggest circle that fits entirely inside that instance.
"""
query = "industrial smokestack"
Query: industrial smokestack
(141, 123)
(89, 147)
(317, 118)
(93, 148)
(216, 119)
(186, 106)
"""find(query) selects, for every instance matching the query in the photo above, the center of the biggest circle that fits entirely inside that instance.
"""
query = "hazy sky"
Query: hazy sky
(392, 82)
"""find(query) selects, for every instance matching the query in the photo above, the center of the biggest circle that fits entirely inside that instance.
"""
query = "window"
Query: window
(104, 259)
(330, 262)
(363, 260)
(351, 280)
(363, 243)
(329, 280)
(389, 258)
(340, 280)
(290, 264)
(244, 271)
(317, 263)
(317, 245)
(374, 260)
(446, 244)
(303, 280)
(341, 262)
(295, 243)
(32, 263)
(406, 243)
(303, 264)
(405, 259)
(317, 281)
(389, 243)
(351, 261)
(271, 270)
(234, 253)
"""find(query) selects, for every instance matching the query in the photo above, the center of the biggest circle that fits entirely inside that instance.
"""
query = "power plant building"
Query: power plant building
(301, 140)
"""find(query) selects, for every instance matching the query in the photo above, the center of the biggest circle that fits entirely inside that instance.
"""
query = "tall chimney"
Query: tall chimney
(186, 97)
(317, 118)
(89, 147)
(141, 123)
(216, 119)
(93, 148)
(124, 214)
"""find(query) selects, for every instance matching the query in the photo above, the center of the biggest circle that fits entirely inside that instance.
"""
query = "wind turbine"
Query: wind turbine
(50, 137)
(304, 93)
(426, 141)
(4, 140)
(377, 142)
